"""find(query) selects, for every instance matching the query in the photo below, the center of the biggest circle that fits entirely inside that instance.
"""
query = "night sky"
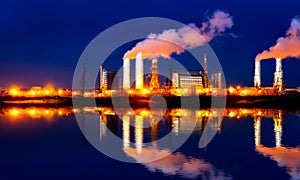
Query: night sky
(41, 41)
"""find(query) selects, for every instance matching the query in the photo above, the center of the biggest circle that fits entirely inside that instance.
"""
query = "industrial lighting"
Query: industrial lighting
(231, 89)
(14, 92)
(145, 91)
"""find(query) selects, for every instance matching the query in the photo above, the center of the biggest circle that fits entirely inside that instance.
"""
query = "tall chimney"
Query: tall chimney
(139, 71)
(126, 73)
(205, 75)
(278, 75)
(257, 77)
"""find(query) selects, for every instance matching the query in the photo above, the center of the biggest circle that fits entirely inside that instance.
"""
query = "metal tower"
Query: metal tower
(154, 81)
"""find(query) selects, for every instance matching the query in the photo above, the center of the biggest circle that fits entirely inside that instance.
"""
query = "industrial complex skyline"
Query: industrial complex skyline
(45, 48)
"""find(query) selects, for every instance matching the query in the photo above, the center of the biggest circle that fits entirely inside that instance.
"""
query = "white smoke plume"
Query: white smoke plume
(176, 41)
(288, 46)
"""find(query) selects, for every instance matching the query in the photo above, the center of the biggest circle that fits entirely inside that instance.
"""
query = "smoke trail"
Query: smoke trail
(176, 41)
(288, 46)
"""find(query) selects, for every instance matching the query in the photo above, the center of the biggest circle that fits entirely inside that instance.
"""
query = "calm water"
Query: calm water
(250, 144)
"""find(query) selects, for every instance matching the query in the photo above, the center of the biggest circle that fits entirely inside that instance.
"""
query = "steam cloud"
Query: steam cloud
(176, 41)
(288, 46)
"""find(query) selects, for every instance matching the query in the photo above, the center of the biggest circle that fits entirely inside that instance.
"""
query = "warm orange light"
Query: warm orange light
(232, 114)
(238, 87)
(130, 91)
(60, 91)
(14, 112)
(231, 89)
(145, 91)
(14, 92)
(32, 92)
(47, 92)
(244, 92)
(60, 112)
(144, 113)
(32, 112)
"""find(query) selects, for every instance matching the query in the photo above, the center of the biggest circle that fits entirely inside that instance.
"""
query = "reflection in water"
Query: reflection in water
(15, 113)
(139, 133)
(285, 157)
(176, 164)
(140, 124)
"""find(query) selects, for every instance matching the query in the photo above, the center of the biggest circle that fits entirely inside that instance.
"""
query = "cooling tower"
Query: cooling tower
(257, 75)
(139, 71)
(278, 75)
(126, 73)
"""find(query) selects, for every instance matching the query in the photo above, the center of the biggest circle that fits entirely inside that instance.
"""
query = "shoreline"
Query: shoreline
(273, 102)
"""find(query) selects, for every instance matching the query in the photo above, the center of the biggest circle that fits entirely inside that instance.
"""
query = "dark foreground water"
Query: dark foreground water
(45, 143)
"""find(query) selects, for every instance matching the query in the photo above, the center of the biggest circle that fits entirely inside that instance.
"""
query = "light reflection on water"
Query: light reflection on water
(148, 128)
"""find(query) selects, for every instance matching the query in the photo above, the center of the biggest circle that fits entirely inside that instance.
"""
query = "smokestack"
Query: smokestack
(205, 64)
(257, 77)
(139, 71)
(205, 75)
(126, 73)
(278, 75)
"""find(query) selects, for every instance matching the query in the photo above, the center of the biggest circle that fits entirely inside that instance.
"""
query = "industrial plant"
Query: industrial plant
(188, 82)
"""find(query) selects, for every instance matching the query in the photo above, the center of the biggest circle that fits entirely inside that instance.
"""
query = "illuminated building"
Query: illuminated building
(188, 78)
(216, 80)
(107, 78)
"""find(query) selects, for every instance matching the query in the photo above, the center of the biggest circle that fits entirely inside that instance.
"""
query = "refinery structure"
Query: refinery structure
(191, 82)
(179, 83)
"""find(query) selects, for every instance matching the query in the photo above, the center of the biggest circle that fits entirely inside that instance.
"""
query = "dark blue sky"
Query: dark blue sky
(41, 41)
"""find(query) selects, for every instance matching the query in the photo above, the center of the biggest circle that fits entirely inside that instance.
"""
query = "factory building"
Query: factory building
(107, 78)
(216, 80)
(188, 78)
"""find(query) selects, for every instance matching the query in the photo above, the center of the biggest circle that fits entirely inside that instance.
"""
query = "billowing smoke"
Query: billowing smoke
(288, 46)
(176, 41)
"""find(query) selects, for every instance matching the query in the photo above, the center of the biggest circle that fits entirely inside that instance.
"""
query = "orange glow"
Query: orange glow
(145, 113)
(244, 92)
(47, 92)
(35, 113)
(60, 91)
(130, 92)
(14, 92)
(145, 91)
(60, 112)
(231, 89)
(32, 92)
(232, 114)
(14, 112)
